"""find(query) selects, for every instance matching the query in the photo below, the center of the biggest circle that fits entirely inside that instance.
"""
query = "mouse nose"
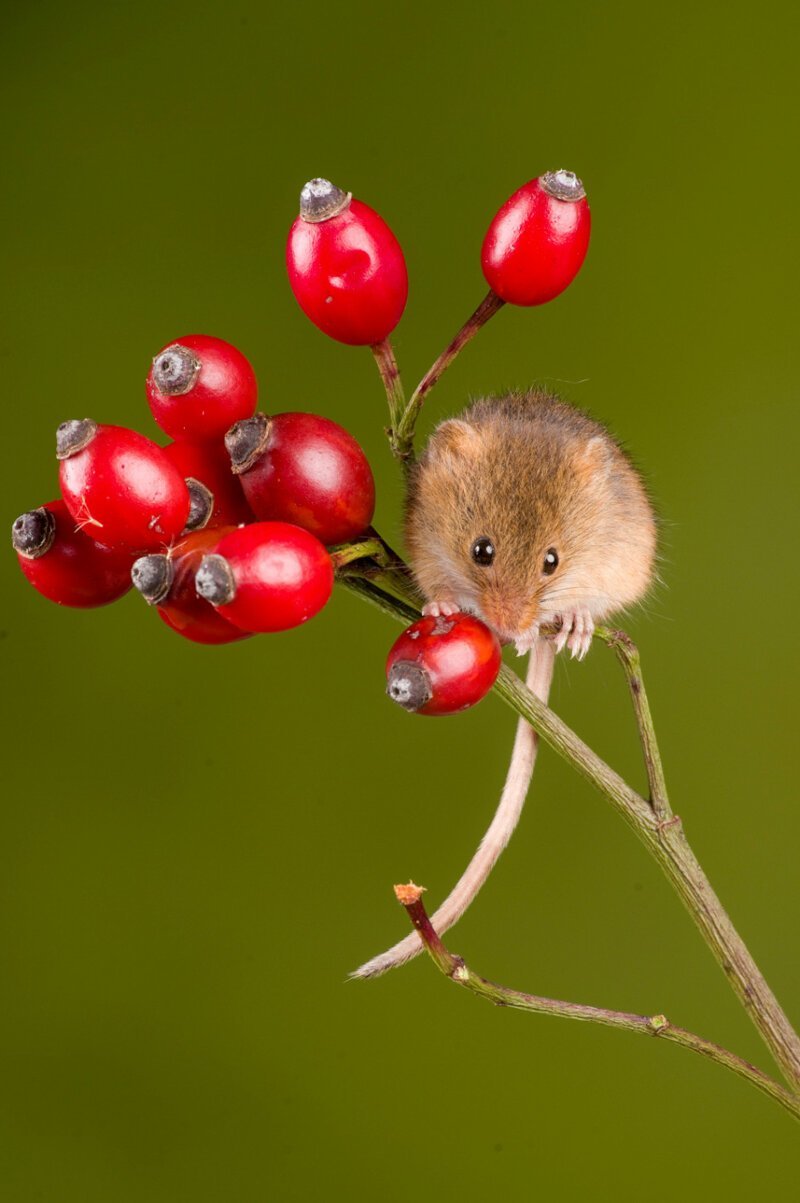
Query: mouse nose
(511, 615)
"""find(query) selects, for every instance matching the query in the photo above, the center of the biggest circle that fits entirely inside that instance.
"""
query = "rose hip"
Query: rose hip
(166, 581)
(64, 564)
(304, 469)
(268, 576)
(119, 486)
(346, 268)
(219, 500)
(538, 240)
(442, 665)
(199, 386)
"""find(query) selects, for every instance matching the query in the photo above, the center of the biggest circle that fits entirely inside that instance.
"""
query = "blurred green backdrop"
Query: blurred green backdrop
(181, 903)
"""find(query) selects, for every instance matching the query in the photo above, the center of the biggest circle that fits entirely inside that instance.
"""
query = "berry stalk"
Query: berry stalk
(366, 549)
(402, 438)
(390, 375)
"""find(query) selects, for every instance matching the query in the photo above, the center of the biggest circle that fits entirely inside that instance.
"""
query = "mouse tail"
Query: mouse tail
(520, 770)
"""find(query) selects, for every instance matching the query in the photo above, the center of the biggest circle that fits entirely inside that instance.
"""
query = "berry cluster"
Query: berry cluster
(226, 530)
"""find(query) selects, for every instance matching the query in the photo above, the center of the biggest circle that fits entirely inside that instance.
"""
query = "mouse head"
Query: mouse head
(500, 524)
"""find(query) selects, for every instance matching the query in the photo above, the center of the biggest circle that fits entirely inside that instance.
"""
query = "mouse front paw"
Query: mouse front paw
(439, 609)
(524, 643)
(577, 629)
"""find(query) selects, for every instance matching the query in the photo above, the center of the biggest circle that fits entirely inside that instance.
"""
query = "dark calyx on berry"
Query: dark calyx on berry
(246, 442)
(176, 370)
(214, 580)
(201, 504)
(409, 685)
(152, 576)
(32, 534)
(563, 185)
(320, 200)
(73, 436)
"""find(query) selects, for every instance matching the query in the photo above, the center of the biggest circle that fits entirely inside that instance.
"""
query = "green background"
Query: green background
(198, 844)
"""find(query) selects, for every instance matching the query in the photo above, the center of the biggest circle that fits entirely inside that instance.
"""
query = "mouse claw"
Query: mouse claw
(577, 629)
(562, 635)
(525, 642)
(439, 609)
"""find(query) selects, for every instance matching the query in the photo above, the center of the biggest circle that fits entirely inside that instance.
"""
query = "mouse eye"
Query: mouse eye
(550, 562)
(483, 552)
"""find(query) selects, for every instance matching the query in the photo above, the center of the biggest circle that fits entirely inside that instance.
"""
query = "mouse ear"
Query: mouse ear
(453, 437)
(592, 460)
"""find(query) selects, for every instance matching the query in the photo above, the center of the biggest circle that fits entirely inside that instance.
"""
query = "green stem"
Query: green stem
(629, 805)
(403, 437)
(348, 553)
(628, 656)
(667, 843)
(367, 589)
(648, 1025)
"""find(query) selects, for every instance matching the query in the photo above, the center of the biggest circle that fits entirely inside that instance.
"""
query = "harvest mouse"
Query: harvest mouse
(526, 512)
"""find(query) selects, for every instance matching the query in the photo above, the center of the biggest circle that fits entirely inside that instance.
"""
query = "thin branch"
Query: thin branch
(554, 731)
(628, 655)
(403, 440)
(365, 549)
(366, 588)
(668, 844)
(390, 375)
(648, 1025)
(665, 840)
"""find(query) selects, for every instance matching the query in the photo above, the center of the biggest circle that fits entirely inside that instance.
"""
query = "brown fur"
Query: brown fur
(531, 473)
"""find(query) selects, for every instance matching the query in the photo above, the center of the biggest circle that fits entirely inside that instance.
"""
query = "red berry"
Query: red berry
(268, 576)
(119, 486)
(199, 386)
(64, 564)
(442, 665)
(167, 582)
(346, 268)
(216, 495)
(538, 240)
(304, 469)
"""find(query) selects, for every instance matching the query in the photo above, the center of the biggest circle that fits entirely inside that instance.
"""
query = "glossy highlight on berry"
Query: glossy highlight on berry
(346, 267)
(305, 469)
(441, 665)
(268, 576)
(538, 240)
(64, 564)
(119, 486)
(199, 385)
